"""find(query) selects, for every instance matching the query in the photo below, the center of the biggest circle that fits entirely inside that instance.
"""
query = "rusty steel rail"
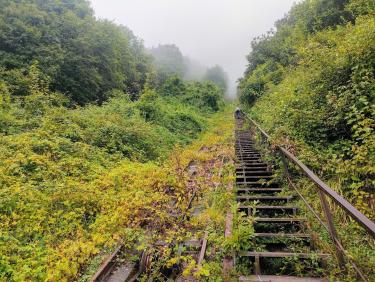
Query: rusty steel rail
(355, 214)
(109, 263)
(106, 266)
(203, 248)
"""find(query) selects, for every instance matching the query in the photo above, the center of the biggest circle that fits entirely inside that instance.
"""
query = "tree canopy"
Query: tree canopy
(84, 58)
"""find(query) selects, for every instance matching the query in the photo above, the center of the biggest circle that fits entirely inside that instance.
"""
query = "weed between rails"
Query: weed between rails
(205, 168)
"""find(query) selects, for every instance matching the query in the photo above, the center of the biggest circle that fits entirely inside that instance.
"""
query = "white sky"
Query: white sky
(210, 31)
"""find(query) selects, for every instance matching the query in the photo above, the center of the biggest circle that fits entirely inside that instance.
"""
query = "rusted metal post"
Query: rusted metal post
(285, 163)
(337, 198)
(331, 228)
(328, 215)
(257, 270)
(228, 261)
(106, 266)
(203, 249)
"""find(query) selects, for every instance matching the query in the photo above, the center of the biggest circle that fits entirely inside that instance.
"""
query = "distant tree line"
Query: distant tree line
(86, 59)
(168, 60)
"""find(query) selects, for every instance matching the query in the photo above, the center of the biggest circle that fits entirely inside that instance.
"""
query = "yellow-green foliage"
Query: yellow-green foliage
(308, 118)
(211, 159)
(77, 181)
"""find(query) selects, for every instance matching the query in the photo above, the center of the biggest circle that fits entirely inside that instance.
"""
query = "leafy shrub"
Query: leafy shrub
(173, 86)
(324, 103)
(74, 180)
(205, 95)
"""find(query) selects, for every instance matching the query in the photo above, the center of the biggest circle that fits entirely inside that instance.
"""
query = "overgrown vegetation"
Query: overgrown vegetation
(86, 134)
(206, 169)
(311, 84)
(56, 165)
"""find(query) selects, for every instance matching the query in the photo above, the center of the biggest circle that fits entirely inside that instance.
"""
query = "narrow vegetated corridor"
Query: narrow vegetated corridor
(122, 157)
(295, 230)
(188, 245)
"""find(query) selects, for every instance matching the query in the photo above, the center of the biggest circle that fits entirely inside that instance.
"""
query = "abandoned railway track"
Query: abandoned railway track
(283, 244)
(119, 267)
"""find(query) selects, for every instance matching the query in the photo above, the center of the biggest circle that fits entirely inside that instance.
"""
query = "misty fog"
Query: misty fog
(210, 31)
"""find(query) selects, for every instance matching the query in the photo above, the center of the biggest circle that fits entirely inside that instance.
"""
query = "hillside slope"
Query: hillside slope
(311, 84)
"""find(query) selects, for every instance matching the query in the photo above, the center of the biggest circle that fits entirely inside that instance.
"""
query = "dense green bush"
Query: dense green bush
(311, 85)
(143, 129)
(63, 170)
(205, 95)
(320, 97)
(173, 86)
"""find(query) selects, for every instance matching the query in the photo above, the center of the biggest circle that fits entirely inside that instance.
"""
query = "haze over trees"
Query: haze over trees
(80, 99)
(195, 70)
(218, 76)
(92, 126)
(169, 60)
